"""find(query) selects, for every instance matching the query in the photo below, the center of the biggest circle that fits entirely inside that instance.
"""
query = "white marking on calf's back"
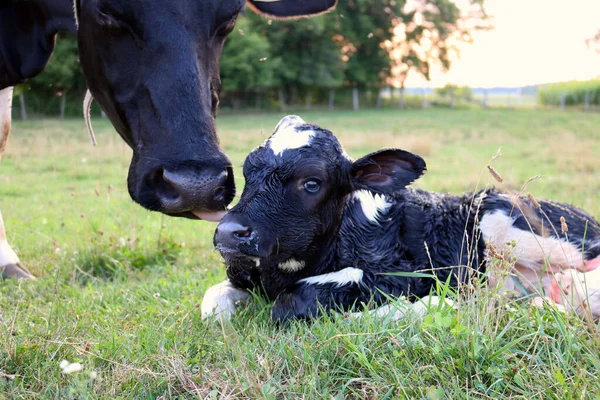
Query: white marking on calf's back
(291, 265)
(287, 137)
(531, 250)
(372, 204)
(341, 277)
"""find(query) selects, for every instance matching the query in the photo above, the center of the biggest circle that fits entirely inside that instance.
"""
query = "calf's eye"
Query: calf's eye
(312, 186)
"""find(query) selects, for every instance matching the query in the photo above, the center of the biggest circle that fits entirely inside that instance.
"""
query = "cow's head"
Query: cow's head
(293, 201)
(153, 66)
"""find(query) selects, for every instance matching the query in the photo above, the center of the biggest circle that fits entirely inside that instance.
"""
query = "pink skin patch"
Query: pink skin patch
(555, 289)
(214, 216)
(592, 264)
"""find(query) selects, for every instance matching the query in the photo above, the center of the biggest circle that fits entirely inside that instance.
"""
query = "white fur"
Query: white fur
(291, 265)
(7, 254)
(219, 300)
(402, 308)
(286, 137)
(531, 251)
(341, 277)
(372, 204)
(5, 116)
(578, 291)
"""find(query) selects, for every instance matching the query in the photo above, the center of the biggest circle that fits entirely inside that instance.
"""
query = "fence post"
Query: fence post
(355, 105)
(587, 100)
(63, 104)
(424, 101)
(485, 98)
(378, 103)
(401, 100)
(563, 100)
(23, 109)
(331, 99)
(452, 97)
(519, 98)
(281, 100)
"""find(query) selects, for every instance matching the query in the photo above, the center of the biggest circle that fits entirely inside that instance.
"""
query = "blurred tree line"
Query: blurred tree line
(342, 58)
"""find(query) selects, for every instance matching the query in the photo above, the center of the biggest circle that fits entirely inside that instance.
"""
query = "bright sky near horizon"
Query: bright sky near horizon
(534, 41)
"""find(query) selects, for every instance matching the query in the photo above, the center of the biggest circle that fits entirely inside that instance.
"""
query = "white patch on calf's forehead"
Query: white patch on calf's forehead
(292, 265)
(287, 121)
(372, 204)
(341, 277)
(287, 136)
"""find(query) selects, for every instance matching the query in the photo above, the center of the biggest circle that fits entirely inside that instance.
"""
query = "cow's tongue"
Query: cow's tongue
(214, 216)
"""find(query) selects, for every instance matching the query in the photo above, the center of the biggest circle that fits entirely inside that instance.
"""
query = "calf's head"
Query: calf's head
(153, 66)
(293, 201)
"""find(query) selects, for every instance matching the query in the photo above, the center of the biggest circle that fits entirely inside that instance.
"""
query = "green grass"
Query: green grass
(119, 287)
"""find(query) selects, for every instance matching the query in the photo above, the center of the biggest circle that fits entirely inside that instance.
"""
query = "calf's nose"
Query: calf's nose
(231, 234)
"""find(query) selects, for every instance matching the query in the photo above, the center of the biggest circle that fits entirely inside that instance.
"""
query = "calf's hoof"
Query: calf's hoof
(16, 271)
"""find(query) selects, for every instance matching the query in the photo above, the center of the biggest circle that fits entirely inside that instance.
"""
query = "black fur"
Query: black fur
(436, 234)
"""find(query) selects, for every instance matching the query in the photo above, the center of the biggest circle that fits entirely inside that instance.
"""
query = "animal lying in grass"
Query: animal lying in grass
(315, 230)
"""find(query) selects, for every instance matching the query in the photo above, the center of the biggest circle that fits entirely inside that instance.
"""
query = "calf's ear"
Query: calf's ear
(282, 9)
(386, 171)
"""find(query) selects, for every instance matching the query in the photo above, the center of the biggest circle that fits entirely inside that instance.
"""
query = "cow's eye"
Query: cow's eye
(226, 27)
(312, 185)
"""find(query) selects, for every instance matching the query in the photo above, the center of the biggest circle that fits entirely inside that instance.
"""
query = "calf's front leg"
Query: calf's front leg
(340, 290)
(219, 301)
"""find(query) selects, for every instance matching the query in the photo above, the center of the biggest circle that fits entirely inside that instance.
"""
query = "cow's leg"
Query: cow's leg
(527, 249)
(578, 291)
(219, 300)
(5, 111)
(10, 266)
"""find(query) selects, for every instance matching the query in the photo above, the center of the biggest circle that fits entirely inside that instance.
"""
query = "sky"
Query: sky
(534, 41)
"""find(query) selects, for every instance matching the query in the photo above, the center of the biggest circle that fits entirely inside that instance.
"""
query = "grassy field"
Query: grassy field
(119, 288)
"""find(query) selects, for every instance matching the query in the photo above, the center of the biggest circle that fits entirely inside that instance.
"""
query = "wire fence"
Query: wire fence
(30, 105)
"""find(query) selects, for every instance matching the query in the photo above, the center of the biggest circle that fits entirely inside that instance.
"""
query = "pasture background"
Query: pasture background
(119, 287)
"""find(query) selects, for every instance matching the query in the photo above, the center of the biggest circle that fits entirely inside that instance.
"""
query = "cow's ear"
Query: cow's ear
(27, 31)
(386, 171)
(282, 9)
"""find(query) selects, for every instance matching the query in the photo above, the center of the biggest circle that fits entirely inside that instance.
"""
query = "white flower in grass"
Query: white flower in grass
(69, 368)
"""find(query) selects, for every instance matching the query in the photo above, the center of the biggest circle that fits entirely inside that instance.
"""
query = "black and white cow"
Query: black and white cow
(314, 227)
(153, 66)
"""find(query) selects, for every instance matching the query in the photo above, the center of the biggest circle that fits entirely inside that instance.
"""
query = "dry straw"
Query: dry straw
(495, 173)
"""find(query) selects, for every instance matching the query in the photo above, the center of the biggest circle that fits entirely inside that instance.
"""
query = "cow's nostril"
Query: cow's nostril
(220, 194)
(164, 187)
(243, 234)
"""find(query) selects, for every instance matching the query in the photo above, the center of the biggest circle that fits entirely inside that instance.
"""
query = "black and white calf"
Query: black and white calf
(314, 227)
